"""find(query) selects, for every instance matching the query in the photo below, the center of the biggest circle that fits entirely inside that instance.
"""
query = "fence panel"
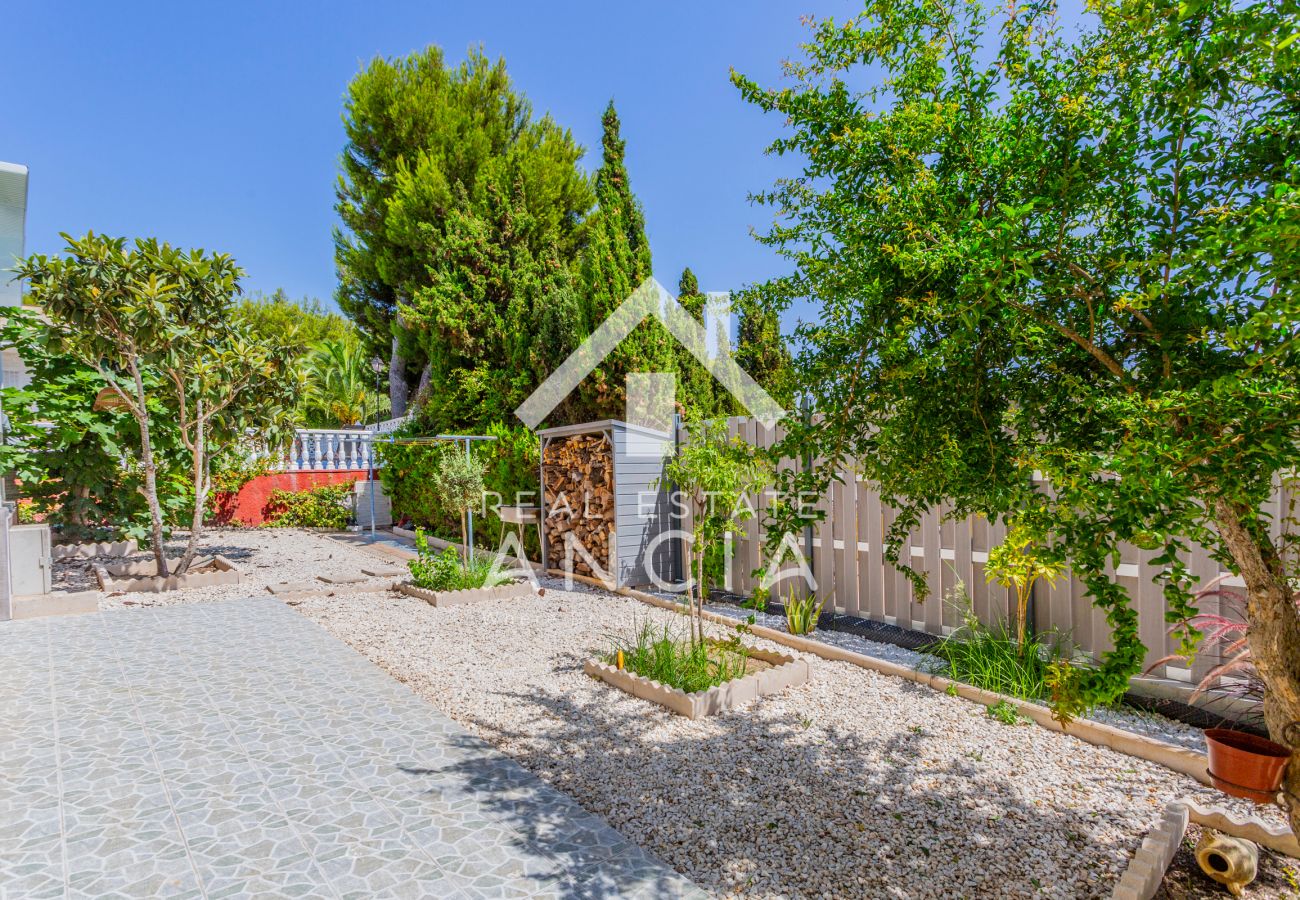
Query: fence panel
(854, 578)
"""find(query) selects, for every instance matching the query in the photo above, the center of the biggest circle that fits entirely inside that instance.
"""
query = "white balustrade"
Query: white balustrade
(323, 449)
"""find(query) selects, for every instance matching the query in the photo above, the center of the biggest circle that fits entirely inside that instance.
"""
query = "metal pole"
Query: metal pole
(371, 456)
(469, 551)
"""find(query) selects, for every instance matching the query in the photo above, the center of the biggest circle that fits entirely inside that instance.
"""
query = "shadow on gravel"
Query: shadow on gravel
(899, 824)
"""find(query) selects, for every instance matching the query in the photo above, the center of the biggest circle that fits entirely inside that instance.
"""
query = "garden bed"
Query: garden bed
(513, 590)
(264, 557)
(904, 791)
(141, 576)
(767, 673)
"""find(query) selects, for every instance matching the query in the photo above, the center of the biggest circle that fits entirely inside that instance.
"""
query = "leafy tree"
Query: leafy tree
(432, 151)
(615, 261)
(154, 308)
(714, 473)
(1015, 564)
(458, 484)
(1074, 257)
(302, 322)
(73, 454)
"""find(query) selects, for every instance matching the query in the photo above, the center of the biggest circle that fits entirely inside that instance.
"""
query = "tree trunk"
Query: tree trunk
(1274, 637)
(422, 389)
(200, 495)
(398, 390)
(150, 471)
(699, 595)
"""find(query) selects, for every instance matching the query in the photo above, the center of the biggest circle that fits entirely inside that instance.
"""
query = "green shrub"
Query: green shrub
(802, 613)
(324, 506)
(990, 657)
(447, 571)
(678, 662)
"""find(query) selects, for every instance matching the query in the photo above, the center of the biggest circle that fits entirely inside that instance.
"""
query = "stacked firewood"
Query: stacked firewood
(579, 491)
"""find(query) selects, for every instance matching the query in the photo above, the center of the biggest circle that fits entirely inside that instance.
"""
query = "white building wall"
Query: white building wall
(13, 228)
(13, 232)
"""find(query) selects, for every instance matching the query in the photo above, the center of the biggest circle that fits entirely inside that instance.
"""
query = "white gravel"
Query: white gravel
(263, 556)
(1150, 725)
(855, 785)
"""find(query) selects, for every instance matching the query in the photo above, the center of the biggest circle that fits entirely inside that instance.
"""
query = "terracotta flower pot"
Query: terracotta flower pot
(1243, 765)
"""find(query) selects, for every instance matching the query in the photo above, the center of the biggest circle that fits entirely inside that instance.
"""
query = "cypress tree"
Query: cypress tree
(762, 352)
(615, 260)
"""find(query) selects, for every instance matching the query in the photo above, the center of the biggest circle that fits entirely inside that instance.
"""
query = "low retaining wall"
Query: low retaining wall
(248, 506)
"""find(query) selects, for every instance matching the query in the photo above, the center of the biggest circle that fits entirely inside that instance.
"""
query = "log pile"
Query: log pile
(578, 486)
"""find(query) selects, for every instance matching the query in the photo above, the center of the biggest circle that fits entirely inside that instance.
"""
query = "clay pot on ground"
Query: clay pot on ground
(1244, 765)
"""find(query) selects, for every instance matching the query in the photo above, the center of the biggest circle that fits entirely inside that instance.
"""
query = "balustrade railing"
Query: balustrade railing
(319, 449)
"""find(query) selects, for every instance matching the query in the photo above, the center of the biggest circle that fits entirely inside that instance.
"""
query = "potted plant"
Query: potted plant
(1244, 765)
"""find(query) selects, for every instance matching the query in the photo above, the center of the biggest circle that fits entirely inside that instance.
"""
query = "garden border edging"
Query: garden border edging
(786, 672)
(94, 548)
(514, 590)
(1151, 861)
(1186, 762)
(127, 581)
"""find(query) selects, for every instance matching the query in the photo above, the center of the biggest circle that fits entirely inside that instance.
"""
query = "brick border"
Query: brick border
(786, 671)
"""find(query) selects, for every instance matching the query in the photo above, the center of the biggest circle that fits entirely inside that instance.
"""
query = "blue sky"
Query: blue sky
(217, 125)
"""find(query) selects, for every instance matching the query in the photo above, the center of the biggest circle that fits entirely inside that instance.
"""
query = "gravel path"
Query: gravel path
(854, 785)
(263, 556)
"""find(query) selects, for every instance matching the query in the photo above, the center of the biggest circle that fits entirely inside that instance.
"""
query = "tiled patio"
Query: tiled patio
(237, 749)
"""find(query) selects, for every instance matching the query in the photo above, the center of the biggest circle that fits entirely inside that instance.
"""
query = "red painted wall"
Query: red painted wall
(248, 507)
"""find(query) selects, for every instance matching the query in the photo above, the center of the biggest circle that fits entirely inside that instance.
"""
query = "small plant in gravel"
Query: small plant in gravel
(1005, 713)
(802, 613)
(688, 665)
(324, 506)
(448, 571)
(757, 601)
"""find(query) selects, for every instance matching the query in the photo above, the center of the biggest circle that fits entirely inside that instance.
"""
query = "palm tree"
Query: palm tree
(337, 392)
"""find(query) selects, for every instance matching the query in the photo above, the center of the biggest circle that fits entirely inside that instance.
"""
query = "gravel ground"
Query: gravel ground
(1151, 725)
(263, 556)
(855, 785)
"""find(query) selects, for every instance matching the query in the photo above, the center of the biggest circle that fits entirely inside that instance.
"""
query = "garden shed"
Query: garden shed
(601, 492)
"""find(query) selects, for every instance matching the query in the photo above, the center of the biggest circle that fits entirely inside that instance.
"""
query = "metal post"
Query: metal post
(469, 513)
(805, 404)
(6, 595)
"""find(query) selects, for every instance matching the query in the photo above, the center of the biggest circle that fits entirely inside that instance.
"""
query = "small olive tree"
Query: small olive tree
(157, 323)
(714, 473)
(458, 485)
